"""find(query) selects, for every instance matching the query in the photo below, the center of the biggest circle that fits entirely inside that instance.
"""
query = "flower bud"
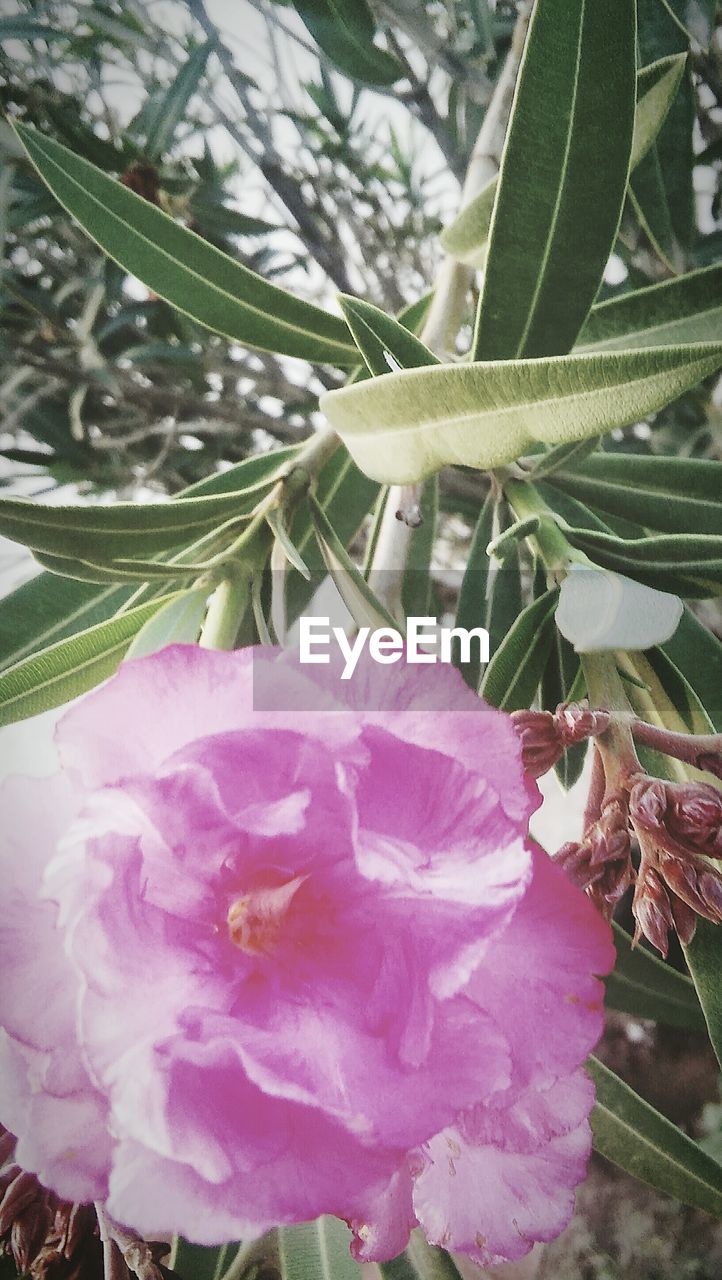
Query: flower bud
(694, 816)
(648, 804)
(652, 909)
(576, 721)
(540, 745)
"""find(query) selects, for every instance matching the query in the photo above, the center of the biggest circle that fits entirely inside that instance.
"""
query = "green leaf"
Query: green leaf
(420, 1261)
(562, 178)
(696, 18)
(659, 36)
(317, 1250)
(344, 30)
(646, 987)
(355, 592)
(649, 201)
(179, 266)
(379, 337)
(686, 309)
(48, 609)
(176, 622)
(657, 85)
(667, 493)
(70, 667)
(560, 675)
(168, 112)
(117, 530)
(416, 586)
(697, 654)
(629, 1132)
(404, 426)
(346, 496)
(685, 564)
(199, 1262)
(471, 609)
(513, 674)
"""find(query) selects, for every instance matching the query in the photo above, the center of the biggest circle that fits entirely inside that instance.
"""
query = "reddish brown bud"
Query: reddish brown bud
(694, 816)
(576, 721)
(652, 909)
(540, 745)
(142, 178)
(648, 804)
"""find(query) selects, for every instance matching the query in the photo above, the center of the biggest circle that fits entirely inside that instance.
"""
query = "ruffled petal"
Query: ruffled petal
(503, 1179)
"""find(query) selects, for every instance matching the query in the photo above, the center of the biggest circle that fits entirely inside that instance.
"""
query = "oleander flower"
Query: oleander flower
(263, 965)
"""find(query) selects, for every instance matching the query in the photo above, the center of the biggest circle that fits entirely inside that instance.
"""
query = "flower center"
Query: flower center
(255, 921)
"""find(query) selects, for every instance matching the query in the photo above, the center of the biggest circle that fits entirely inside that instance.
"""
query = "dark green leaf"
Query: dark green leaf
(685, 564)
(344, 30)
(672, 494)
(48, 609)
(513, 674)
(562, 178)
(646, 987)
(686, 309)
(360, 600)
(180, 267)
(70, 667)
(628, 1131)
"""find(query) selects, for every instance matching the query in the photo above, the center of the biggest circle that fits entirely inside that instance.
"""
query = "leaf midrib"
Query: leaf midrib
(188, 271)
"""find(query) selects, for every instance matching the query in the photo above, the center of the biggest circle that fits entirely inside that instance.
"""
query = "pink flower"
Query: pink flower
(263, 965)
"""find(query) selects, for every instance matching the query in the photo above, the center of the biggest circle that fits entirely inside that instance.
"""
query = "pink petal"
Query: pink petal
(503, 1179)
(536, 979)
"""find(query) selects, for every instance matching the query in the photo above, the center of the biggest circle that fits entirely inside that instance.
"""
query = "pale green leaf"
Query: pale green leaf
(404, 426)
(201, 281)
(178, 621)
(317, 1250)
(360, 600)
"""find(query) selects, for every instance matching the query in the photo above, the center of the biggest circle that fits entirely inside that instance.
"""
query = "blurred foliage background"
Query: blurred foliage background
(248, 121)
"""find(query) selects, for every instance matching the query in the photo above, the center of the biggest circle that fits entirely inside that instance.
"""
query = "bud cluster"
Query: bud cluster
(600, 863)
(678, 827)
(47, 1238)
(546, 736)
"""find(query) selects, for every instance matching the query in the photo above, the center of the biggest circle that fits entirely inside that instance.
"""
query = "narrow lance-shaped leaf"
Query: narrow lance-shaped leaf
(645, 986)
(403, 427)
(628, 1131)
(70, 667)
(513, 674)
(686, 309)
(201, 281)
(47, 609)
(355, 592)
(169, 111)
(465, 238)
(178, 621)
(383, 342)
(562, 178)
(667, 493)
(684, 564)
(698, 655)
(344, 30)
